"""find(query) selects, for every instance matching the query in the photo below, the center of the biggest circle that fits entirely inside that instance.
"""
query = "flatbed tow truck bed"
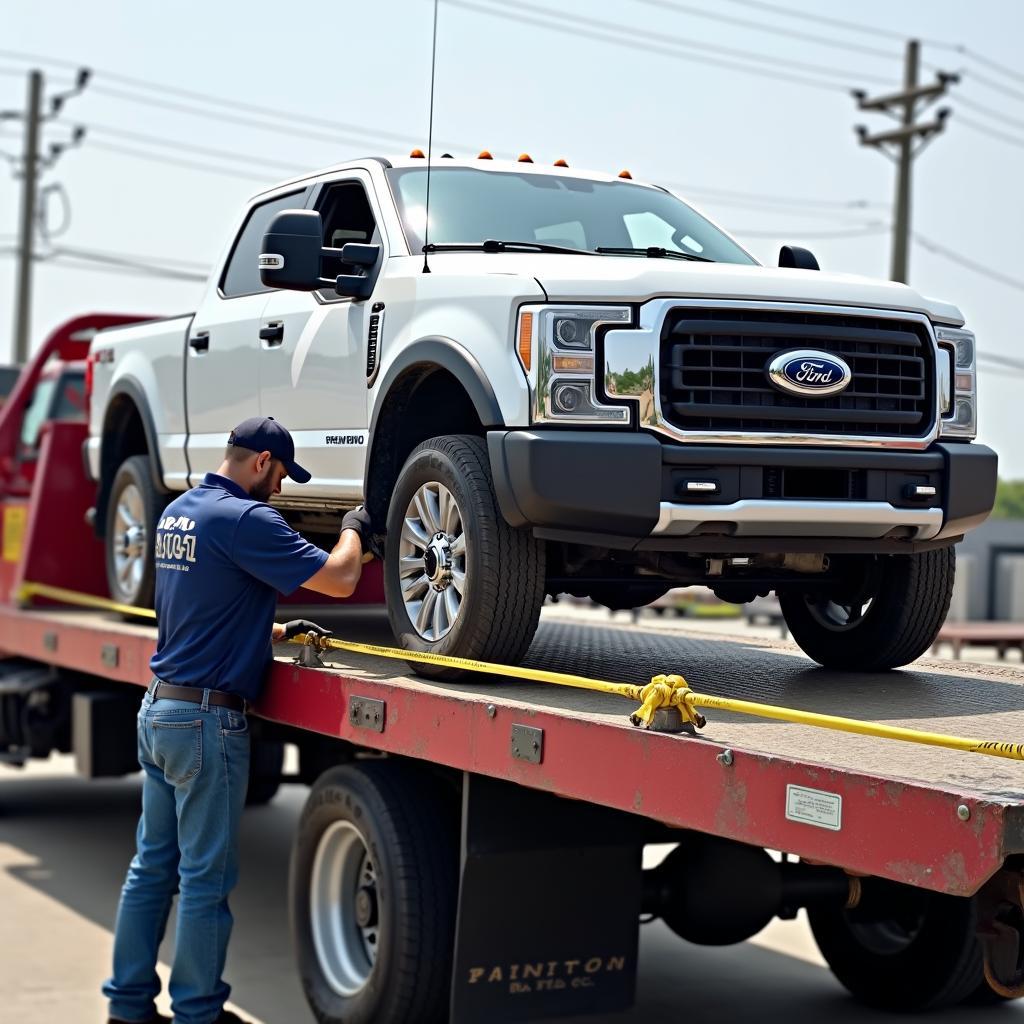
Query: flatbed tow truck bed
(900, 816)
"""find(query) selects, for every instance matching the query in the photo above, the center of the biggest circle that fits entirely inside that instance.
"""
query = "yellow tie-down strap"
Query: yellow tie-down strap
(663, 691)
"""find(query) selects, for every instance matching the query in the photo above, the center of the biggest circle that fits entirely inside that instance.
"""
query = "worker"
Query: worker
(222, 556)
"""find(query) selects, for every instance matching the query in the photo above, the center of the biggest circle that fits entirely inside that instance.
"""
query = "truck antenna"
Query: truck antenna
(430, 143)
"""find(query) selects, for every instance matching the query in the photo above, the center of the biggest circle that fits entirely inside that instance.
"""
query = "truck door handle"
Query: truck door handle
(272, 334)
(200, 342)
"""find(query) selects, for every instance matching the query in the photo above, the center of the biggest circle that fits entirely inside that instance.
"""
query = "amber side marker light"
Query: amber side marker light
(572, 364)
(625, 174)
(525, 158)
(560, 163)
(525, 338)
(484, 154)
(416, 154)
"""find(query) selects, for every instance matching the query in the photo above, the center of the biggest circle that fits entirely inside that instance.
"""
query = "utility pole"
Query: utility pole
(899, 144)
(29, 176)
(32, 165)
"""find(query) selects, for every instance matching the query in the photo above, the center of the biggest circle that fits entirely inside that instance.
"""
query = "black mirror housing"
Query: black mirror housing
(358, 286)
(797, 258)
(290, 255)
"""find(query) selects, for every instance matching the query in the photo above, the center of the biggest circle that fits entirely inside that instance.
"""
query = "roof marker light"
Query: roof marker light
(447, 156)
(560, 163)
(484, 154)
(525, 158)
(625, 174)
(416, 154)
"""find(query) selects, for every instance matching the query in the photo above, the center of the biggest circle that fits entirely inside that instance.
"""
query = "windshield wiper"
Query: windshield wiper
(497, 245)
(652, 252)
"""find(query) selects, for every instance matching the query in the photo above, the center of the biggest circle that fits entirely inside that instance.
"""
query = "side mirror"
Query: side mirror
(797, 258)
(358, 286)
(290, 256)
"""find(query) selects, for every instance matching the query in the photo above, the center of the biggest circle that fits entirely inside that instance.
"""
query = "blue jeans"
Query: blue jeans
(195, 760)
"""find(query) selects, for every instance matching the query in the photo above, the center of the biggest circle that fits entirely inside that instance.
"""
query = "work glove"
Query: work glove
(359, 520)
(297, 626)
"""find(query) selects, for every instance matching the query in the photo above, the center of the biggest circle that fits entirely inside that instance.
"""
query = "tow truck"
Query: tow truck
(471, 850)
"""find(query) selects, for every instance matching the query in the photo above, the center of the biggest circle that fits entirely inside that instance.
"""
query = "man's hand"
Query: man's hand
(359, 520)
(287, 630)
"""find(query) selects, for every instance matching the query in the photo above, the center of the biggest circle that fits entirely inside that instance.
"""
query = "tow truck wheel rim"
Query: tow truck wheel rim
(344, 881)
(130, 539)
(432, 561)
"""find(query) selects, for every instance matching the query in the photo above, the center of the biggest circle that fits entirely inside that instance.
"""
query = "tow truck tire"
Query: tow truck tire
(926, 957)
(500, 569)
(134, 496)
(892, 619)
(376, 853)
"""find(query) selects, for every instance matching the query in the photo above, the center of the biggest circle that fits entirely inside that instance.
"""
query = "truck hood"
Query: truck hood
(568, 278)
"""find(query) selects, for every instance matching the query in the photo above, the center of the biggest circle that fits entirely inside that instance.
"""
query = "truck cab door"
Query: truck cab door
(222, 352)
(312, 360)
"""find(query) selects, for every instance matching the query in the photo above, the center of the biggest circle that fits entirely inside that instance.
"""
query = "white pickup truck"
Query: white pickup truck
(579, 385)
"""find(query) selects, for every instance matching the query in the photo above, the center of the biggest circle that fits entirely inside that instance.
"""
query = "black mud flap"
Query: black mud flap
(549, 906)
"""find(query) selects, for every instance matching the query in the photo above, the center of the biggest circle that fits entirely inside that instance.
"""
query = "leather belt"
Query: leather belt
(219, 698)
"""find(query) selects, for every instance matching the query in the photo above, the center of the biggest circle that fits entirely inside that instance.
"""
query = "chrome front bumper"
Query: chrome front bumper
(751, 517)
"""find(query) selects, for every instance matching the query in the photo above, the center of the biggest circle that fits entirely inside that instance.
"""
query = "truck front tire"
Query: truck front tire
(886, 615)
(132, 512)
(458, 579)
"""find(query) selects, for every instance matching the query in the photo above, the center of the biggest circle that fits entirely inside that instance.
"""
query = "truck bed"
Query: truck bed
(877, 806)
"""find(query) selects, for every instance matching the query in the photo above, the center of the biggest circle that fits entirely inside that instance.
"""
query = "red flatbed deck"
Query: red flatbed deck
(874, 806)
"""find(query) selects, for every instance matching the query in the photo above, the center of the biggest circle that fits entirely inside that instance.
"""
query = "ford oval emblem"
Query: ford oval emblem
(809, 372)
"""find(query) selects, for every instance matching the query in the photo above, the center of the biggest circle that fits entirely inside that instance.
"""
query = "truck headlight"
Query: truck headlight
(557, 346)
(959, 404)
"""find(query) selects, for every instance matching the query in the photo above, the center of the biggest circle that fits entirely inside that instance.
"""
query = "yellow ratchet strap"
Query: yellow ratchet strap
(663, 691)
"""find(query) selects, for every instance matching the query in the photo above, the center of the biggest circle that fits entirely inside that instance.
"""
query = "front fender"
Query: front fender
(447, 354)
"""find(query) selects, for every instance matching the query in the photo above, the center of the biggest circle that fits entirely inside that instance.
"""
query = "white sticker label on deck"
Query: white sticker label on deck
(814, 807)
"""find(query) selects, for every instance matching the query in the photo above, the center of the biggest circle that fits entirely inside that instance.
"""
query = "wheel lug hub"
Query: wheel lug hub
(366, 907)
(437, 561)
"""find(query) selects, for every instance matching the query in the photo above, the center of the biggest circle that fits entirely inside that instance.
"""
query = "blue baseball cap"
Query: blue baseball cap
(265, 434)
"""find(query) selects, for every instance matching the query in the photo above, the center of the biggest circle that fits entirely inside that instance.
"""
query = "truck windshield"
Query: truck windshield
(467, 205)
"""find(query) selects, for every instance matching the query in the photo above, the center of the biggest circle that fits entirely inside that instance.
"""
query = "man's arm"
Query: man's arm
(344, 566)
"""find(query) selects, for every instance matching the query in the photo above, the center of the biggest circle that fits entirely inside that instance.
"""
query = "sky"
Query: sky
(745, 104)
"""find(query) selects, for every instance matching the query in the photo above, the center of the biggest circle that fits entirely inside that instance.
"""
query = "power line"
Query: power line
(127, 257)
(768, 197)
(991, 83)
(863, 232)
(988, 62)
(872, 30)
(966, 101)
(615, 28)
(193, 165)
(1013, 140)
(143, 270)
(964, 261)
(289, 117)
(179, 146)
(139, 270)
(875, 31)
(622, 40)
(247, 122)
(761, 26)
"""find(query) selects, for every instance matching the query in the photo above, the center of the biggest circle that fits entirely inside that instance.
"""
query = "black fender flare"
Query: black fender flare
(444, 354)
(130, 388)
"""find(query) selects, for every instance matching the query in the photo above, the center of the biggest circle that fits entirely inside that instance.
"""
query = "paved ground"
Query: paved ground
(64, 844)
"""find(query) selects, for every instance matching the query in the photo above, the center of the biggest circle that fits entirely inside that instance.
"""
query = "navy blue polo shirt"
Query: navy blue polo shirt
(221, 559)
